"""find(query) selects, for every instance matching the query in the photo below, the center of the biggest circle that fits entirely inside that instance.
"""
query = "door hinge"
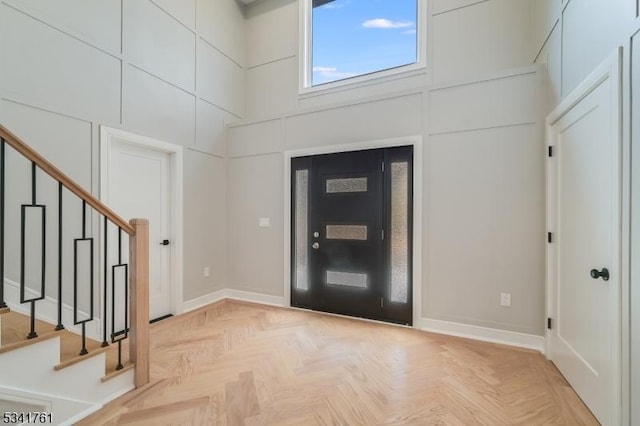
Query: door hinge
(382, 234)
(382, 166)
(551, 151)
(549, 237)
(549, 323)
(382, 302)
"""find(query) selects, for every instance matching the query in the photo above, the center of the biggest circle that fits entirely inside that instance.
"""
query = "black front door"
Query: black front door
(351, 233)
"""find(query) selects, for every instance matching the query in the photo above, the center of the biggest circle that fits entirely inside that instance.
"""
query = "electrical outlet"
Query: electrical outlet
(206, 272)
(264, 222)
(505, 299)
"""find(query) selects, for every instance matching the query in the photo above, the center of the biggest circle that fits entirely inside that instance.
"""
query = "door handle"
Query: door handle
(604, 274)
(315, 245)
(164, 243)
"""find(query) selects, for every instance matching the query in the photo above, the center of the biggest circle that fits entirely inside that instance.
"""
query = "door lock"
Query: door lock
(164, 243)
(315, 245)
(604, 274)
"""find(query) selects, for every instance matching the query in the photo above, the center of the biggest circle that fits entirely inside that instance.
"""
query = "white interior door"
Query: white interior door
(140, 187)
(584, 216)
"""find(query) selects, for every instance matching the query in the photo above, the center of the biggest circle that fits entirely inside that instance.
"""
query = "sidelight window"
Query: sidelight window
(399, 252)
(301, 229)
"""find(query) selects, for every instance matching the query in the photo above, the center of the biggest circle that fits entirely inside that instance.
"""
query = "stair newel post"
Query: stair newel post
(139, 308)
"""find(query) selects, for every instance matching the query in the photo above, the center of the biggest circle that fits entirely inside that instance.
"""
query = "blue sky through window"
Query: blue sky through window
(356, 37)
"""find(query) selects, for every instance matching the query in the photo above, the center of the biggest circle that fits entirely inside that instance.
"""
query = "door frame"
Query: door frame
(416, 142)
(610, 69)
(107, 136)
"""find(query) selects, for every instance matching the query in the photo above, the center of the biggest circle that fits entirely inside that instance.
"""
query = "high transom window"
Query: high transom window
(353, 40)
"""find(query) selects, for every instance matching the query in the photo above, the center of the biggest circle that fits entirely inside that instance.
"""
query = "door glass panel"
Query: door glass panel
(399, 231)
(347, 279)
(302, 247)
(346, 232)
(336, 186)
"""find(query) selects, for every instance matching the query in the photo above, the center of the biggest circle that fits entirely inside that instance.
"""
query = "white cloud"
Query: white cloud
(333, 73)
(412, 31)
(386, 23)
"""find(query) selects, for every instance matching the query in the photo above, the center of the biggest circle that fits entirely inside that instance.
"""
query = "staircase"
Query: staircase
(73, 332)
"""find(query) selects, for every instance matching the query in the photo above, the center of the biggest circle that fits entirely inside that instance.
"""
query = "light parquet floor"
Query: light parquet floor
(235, 363)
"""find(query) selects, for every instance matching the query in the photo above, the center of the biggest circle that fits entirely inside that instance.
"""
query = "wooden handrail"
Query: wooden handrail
(28, 152)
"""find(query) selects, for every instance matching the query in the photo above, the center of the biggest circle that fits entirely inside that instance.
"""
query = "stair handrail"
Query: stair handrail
(138, 231)
(45, 165)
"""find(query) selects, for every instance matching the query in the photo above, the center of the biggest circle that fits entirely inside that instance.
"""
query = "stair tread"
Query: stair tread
(72, 358)
(70, 346)
(128, 365)
(26, 342)
(16, 326)
(112, 356)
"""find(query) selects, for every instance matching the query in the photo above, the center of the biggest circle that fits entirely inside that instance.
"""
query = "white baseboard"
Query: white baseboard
(199, 302)
(247, 296)
(226, 293)
(485, 334)
(47, 310)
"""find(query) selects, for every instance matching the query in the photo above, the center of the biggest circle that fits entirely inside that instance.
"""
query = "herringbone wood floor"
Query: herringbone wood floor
(241, 364)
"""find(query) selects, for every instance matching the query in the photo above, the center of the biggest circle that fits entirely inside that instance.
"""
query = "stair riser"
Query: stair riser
(32, 368)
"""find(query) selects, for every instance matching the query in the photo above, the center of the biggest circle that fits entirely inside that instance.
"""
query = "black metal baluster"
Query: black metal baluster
(84, 219)
(59, 326)
(84, 238)
(3, 304)
(104, 296)
(126, 301)
(113, 294)
(119, 366)
(84, 350)
(124, 333)
(32, 333)
(119, 246)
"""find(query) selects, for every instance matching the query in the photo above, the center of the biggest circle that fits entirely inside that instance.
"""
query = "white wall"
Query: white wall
(483, 220)
(153, 67)
(471, 38)
(572, 37)
(484, 175)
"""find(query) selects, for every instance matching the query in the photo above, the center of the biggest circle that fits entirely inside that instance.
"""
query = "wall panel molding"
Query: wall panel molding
(98, 28)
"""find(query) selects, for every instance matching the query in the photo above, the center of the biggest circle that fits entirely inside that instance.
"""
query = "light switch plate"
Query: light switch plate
(505, 299)
(264, 222)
